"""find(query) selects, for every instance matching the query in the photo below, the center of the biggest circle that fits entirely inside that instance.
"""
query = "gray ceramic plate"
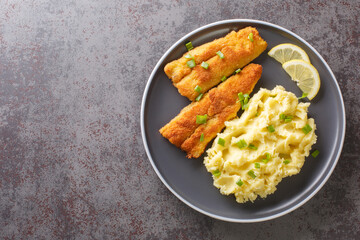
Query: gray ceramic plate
(188, 179)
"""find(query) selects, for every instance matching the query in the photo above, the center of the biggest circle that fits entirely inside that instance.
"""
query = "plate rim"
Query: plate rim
(145, 143)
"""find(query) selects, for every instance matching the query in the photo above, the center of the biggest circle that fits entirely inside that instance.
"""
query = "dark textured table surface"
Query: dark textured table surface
(72, 162)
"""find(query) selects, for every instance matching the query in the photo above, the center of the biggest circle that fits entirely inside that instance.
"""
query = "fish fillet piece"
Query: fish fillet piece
(220, 104)
(238, 51)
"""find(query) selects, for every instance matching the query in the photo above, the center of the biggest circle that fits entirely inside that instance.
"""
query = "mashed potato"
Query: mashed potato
(267, 143)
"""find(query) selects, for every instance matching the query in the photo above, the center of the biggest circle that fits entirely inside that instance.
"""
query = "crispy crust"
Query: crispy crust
(237, 49)
(220, 104)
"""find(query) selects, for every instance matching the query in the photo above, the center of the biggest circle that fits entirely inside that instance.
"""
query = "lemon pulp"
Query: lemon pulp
(306, 76)
(286, 52)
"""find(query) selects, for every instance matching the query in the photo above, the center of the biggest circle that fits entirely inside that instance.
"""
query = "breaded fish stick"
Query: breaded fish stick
(220, 104)
(238, 49)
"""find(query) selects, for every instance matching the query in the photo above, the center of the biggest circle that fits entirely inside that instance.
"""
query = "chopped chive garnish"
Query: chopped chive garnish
(315, 153)
(241, 143)
(240, 96)
(220, 54)
(251, 174)
(238, 70)
(257, 165)
(223, 78)
(267, 155)
(197, 89)
(202, 137)
(251, 37)
(287, 120)
(304, 95)
(191, 63)
(271, 128)
(221, 142)
(201, 119)
(216, 173)
(246, 95)
(199, 97)
(306, 129)
(205, 65)
(188, 56)
(239, 182)
(245, 106)
(256, 114)
(252, 146)
(265, 160)
(286, 161)
(189, 46)
(272, 96)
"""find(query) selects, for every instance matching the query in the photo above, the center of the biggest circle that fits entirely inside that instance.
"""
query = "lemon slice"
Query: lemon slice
(306, 76)
(286, 52)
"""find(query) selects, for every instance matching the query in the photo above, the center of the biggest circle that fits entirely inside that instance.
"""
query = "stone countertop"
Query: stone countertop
(72, 75)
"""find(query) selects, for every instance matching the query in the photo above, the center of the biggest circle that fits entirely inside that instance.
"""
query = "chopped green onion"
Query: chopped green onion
(265, 160)
(198, 89)
(243, 98)
(201, 119)
(272, 96)
(251, 174)
(271, 128)
(257, 165)
(188, 56)
(238, 70)
(205, 65)
(315, 153)
(256, 114)
(223, 78)
(191, 63)
(199, 97)
(283, 116)
(241, 143)
(239, 182)
(251, 37)
(220, 54)
(304, 95)
(202, 137)
(306, 129)
(189, 46)
(216, 173)
(245, 106)
(221, 142)
(286, 118)
(286, 161)
(246, 100)
(252, 146)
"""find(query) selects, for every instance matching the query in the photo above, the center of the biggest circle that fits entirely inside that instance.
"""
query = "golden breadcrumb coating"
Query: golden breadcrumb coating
(220, 104)
(238, 50)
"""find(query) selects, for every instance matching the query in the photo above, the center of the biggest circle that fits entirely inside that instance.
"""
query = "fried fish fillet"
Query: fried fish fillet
(238, 50)
(220, 104)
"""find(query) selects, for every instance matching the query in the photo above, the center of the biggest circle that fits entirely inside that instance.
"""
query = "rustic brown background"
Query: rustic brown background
(72, 163)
